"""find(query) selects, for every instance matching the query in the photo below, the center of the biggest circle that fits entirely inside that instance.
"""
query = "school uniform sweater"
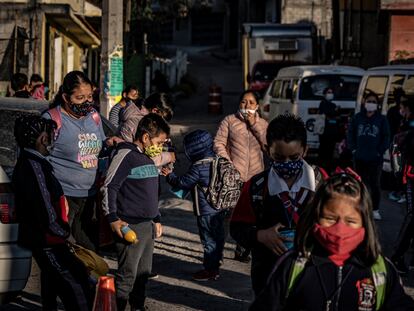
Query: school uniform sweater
(130, 192)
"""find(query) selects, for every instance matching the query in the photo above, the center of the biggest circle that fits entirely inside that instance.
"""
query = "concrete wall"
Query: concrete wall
(318, 12)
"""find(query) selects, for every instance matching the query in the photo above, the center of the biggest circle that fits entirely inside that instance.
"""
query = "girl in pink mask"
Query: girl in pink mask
(337, 264)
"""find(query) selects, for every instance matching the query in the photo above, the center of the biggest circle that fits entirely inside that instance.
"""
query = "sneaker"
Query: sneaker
(394, 196)
(376, 215)
(153, 276)
(402, 200)
(400, 265)
(205, 275)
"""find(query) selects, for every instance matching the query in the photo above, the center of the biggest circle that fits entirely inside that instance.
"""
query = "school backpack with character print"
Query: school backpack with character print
(225, 185)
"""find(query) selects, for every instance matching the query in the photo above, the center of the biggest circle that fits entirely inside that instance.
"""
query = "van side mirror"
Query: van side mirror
(249, 78)
(289, 94)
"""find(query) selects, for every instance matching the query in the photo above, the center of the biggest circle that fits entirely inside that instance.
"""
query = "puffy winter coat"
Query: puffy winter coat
(198, 145)
(242, 144)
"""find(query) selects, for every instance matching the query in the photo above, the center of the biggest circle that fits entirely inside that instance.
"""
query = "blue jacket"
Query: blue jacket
(369, 138)
(198, 145)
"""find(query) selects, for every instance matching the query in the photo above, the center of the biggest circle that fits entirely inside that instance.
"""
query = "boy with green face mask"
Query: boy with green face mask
(131, 199)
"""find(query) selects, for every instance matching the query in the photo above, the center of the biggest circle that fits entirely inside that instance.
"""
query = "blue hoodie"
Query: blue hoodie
(369, 137)
(198, 145)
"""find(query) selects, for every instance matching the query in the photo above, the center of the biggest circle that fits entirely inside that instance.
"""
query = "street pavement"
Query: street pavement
(178, 254)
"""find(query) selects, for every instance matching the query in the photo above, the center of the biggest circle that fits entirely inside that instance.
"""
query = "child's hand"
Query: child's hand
(165, 171)
(272, 240)
(113, 141)
(117, 225)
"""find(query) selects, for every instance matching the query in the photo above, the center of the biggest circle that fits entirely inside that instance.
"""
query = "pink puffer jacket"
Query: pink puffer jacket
(241, 144)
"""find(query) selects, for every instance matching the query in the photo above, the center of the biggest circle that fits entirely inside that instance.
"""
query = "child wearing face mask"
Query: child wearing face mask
(130, 198)
(337, 264)
(368, 139)
(271, 202)
(42, 214)
(329, 137)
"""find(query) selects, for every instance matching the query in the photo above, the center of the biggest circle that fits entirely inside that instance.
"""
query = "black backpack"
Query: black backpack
(225, 185)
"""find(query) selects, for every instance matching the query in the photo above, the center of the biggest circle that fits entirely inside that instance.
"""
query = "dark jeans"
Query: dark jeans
(371, 176)
(63, 276)
(80, 216)
(406, 234)
(212, 236)
(134, 265)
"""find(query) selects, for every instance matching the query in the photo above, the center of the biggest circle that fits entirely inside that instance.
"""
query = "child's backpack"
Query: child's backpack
(225, 185)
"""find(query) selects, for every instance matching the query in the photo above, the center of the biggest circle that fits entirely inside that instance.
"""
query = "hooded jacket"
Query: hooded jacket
(242, 144)
(128, 121)
(198, 145)
(369, 137)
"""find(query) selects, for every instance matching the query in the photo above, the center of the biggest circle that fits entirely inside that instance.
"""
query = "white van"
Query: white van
(299, 90)
(385, 81)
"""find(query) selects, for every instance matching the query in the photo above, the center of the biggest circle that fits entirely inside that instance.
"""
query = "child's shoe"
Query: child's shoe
(206, 275)
(394, 196)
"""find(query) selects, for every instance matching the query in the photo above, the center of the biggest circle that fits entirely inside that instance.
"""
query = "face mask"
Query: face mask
(245, 112)
(370, 107)
(289, 169)
(339, 240)
(81, 109)
(329, 96)
(153, 150)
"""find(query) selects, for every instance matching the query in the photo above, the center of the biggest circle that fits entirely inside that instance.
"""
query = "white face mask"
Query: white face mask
(370, 107)
(329, 96)
(244, 112)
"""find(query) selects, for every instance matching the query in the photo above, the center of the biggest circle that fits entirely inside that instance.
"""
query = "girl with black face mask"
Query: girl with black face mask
(79, 139)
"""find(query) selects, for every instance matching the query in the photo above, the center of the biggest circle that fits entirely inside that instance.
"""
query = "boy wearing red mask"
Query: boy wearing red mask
(266, 214)
(338, 263)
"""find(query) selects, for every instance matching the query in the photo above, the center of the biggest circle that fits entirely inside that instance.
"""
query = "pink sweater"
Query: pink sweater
(241, 144)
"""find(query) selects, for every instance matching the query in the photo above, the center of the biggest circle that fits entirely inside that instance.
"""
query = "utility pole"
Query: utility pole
(336, 31)
(112, 71)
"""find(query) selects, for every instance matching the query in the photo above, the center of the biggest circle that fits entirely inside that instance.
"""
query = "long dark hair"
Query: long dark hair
(71, 81)
(161, 102)
(345, 185)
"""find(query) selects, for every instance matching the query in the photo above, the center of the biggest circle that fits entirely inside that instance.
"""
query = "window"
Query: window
(345, 87)
(276, 89)
(376, 84)
(285, 86)
(409, 86)
(395, 87)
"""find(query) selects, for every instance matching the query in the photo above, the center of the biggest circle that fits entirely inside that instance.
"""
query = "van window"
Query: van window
(276, 89)
(409, 86)
(285, 86)
(376, 84)
(397, 82)
(345, 87)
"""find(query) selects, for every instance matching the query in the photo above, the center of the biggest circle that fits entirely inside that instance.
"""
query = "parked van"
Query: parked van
(299, 90)
(386, 82)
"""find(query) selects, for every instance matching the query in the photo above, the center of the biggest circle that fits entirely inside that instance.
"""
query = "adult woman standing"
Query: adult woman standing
(74, 156)
(241, 138)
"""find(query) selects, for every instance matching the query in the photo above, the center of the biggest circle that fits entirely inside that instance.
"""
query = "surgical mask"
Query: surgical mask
(370, 107)
(329, 96)
(289, 169)
(245, 112)
(81, 109)
(153, 150)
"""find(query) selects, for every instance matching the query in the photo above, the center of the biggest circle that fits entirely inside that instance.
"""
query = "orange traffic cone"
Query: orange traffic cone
(105, 296)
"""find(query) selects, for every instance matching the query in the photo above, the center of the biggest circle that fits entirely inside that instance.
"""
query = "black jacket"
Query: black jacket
(308, 293)
(40, 210)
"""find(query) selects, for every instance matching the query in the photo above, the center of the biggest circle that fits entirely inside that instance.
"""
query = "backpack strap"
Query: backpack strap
(96, 117)
(295, 272)
(379, 275)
